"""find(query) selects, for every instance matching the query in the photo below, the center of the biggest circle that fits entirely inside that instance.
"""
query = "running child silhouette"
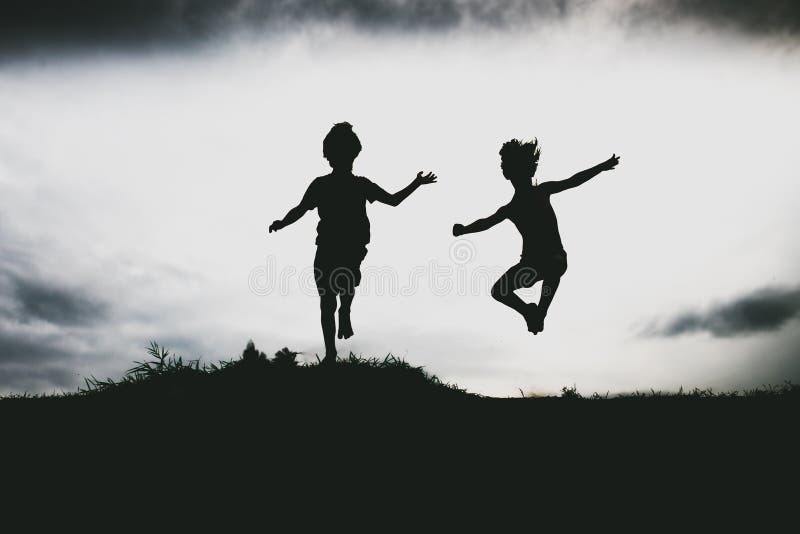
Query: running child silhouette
(343, 230)
(543, 256)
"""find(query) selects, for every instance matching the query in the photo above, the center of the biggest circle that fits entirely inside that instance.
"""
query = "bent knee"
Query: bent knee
(555, 274)
(555, 269)
(561, 265)
(497, 291)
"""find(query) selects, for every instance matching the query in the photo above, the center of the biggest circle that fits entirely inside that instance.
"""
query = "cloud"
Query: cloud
(23, 346)
(100, 25)
(765, 310)
(41, 326)
(757, 17)
(34, 24)
(26, 296)
(47, 326)
(30, 293)
(60, 322)
(36, 359)
(56, 305)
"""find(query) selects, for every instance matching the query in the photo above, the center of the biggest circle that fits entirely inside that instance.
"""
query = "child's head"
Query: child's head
(341, 146)
(519, 159)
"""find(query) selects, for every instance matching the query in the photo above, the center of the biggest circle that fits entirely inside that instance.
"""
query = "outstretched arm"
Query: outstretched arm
(294, 214)
(395, 199)
(480, 225)
(581, 177)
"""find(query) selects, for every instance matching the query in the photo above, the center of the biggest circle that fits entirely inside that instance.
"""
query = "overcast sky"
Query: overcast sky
(146, 146)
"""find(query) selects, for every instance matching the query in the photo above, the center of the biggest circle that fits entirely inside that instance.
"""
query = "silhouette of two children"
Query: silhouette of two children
(343, 230)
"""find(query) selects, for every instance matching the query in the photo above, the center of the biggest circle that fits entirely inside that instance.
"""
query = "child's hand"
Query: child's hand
(610, 163)
(429, 178)
(275, 226)
(458, 229)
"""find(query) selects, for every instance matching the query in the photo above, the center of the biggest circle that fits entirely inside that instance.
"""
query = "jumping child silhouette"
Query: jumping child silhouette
(343, 230)
(543, 256)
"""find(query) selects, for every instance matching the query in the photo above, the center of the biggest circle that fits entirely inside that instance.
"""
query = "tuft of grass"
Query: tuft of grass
(571, 393)
(163, 365)
(285, 357)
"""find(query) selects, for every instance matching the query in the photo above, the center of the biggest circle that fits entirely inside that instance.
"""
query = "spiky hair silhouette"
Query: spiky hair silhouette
(523, 155)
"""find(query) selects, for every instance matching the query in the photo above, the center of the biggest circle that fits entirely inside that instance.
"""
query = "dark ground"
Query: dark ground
(255, 426)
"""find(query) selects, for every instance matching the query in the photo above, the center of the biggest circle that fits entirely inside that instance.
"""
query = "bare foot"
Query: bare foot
(345, 328)
(534, 319)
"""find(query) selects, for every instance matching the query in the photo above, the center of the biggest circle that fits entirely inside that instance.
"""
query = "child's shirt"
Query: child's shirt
(533, 215)
(341, 200)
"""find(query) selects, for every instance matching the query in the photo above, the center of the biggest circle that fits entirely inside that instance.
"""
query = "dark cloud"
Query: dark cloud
(46, 327)
(26, 296)
(55, 328)
(29, 25)
(765, 310)
(57, 305)
(100, 25)
(759, 17)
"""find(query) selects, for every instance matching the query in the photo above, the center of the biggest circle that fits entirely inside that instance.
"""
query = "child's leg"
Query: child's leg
(345, 326)
(327, 307)
(549, 286)
(516, 277)
(555, 269)
(347, 280)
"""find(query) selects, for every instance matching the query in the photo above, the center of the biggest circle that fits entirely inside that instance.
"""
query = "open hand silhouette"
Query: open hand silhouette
(610, 163)
(429, 178)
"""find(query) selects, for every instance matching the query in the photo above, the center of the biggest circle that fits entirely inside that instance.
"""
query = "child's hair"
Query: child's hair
(341, 143)
(524, 156)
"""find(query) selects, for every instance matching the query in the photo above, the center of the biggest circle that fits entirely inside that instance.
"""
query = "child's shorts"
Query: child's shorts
(337, 270)
(552, 265)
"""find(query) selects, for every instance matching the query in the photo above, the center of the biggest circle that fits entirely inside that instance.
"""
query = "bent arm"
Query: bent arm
(293, 215)
(480, 225)
(394, 199)
(579, 178)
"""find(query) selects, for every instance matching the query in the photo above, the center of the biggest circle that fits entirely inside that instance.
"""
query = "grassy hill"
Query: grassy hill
(166, 391)
(258, 420)
(255, 377)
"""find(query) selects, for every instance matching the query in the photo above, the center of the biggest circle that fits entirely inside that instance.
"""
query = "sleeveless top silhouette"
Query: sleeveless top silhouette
(531, 212)
(341, 200)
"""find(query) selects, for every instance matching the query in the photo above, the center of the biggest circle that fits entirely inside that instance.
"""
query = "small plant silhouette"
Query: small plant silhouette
(285, 357)
(251, 354)
(570, 392)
